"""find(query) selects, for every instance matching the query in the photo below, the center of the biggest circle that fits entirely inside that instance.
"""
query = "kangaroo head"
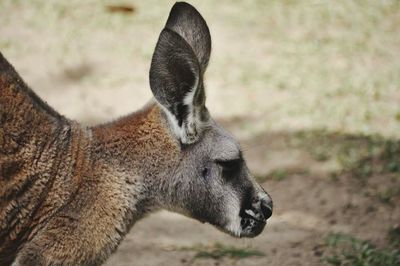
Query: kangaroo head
(211, 182)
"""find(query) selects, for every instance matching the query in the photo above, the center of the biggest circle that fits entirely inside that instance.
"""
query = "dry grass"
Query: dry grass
(312, 88)
(289, 64)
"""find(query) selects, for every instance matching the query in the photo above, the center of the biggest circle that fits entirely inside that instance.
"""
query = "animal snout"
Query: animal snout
(266, 208)
(266, 205)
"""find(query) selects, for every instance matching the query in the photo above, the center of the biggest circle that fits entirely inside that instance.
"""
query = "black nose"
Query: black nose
(266, 208)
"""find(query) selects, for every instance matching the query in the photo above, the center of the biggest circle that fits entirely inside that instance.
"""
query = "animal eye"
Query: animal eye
(205, 172)
(230, 168)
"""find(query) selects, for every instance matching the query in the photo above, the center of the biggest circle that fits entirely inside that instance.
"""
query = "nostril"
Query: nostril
(266, 209)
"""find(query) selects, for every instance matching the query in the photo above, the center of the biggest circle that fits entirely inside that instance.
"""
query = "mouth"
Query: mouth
(247, 224)
(247, 221)
(251, 223)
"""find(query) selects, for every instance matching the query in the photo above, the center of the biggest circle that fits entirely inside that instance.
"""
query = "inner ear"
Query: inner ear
(175, 80)
(176, 75)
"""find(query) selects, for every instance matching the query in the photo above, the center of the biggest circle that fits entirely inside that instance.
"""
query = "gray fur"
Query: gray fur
(69, 194)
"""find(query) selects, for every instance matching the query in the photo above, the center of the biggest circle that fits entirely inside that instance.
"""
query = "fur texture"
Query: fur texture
(69, 194)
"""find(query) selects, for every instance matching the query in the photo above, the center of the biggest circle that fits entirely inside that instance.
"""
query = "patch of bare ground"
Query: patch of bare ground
(279, 72)
(314, 194)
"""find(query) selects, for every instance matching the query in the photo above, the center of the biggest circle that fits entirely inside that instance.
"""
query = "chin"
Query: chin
(251, 227)
(243, 227)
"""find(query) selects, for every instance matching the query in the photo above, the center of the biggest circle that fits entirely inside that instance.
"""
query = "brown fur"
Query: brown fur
(69, 194)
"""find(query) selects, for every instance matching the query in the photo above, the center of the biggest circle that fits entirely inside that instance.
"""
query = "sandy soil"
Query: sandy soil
(275, 73)
(307, 207)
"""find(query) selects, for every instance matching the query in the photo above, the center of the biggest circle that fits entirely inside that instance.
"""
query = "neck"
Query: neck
(138, 150)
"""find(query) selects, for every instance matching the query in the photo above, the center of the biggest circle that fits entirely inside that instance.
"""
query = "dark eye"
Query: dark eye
(230, 168)
(206, 171)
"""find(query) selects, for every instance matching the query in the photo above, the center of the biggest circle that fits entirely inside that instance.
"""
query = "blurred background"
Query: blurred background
(310, 88)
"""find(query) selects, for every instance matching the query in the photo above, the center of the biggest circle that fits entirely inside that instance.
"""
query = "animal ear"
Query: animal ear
(185, 20)
(176, 73)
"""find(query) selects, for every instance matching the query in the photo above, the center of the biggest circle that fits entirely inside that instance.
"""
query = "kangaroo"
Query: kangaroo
(69, 194)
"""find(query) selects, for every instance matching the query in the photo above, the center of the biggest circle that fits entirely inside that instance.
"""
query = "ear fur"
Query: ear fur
(176, 73)
(185, 20)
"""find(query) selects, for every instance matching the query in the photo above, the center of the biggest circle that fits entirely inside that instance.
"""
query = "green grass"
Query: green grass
(387, 195)
(289, 66)
(280, 174)
(218, 251)
(371, 161)
(362, 155)
(348, 250)
(394, 236)
(383, 157)
(276, 175)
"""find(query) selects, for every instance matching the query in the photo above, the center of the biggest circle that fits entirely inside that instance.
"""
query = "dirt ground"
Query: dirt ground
(310, 88)
(309, 205)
